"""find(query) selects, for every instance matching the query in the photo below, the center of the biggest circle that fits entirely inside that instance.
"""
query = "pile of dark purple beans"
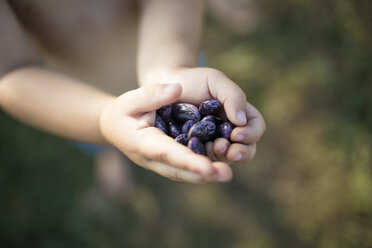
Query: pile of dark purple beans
(193, 126)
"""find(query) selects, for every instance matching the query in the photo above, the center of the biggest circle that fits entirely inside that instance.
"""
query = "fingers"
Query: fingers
(255, 120)
(162, 149)
(159, 147)
(175, 173)
(236, 152)
(240, 153)
(220, 148)
(225, 173)
(231, 96)
(234, 107)
(210, 152)
(254, 129)
(247, 135)
(191, 177)
(149, 98)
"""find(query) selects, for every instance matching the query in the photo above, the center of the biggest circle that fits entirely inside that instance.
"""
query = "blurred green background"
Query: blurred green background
(307, 66)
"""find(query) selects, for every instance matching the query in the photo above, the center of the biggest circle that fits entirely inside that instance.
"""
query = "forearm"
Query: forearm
(54, 103)
(170, 31)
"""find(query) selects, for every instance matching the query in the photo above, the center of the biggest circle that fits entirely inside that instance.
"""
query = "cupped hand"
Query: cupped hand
(200, 84)
(128, 124)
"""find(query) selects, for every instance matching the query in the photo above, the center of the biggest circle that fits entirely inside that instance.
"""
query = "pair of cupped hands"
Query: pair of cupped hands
(128, 124)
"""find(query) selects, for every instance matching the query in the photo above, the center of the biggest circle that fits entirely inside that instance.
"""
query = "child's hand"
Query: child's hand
(200, 84)
(128, 123)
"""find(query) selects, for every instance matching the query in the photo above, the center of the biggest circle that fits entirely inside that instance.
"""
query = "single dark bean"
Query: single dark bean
(224, 130)
(174, 129)
(182, 139)
(204, 130)
(210, 107)
(196, 146)
(183, 112)
(215, 119)
(165, 112)
(187, 125)
(160, 123)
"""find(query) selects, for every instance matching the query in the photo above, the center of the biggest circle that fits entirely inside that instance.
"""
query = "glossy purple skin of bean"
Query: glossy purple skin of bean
(186, 126)
(203, 130)
(224, 130)
(165, 112)
(196, 146)
(174, 129)
(183, 112)
(210, 107)
(215, 119)
(182, 139)
(160, 123)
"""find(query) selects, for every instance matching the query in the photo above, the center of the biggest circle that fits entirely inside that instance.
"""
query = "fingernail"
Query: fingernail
(169, 88)
(238, 157)
(241, 117)
(239, 137)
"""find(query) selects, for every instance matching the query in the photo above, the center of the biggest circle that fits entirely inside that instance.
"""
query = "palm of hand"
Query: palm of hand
(200, 84)
(128, 124)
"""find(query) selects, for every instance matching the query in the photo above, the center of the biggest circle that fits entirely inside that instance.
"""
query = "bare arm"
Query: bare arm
(170, 32)
(54, 103)
(39, 96)
(169, 40)
(66, 107)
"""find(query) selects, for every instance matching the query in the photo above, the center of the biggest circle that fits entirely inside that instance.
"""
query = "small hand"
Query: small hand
(200, 84)
(128, 124)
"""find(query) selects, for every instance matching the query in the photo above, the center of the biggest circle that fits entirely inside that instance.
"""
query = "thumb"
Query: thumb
(234, 104)
(232, 97)
(149, 98)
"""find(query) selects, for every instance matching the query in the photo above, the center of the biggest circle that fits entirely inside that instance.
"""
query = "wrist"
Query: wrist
(105, 122)
(165, 74)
